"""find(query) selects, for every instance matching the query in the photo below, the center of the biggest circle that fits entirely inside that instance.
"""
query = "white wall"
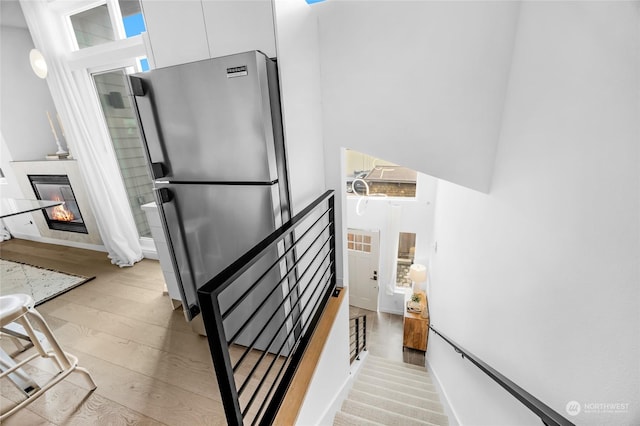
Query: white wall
(418, 83)
(417, 216)
(540, 277)
(24, 98)
(411, 81)
(331, 373)
(296, 27)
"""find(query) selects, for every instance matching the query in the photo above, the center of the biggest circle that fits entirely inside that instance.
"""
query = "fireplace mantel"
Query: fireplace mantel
(59, 167)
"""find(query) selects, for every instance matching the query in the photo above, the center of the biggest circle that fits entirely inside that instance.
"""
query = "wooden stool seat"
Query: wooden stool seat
(19, 309)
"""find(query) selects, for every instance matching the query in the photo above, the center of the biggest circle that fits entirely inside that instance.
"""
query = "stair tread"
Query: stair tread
(404, 388)
(410, 399)
(432, 416)
(399, 372)
(374, 358)
(346, 419)
(420, 381)
(399, 368)
(380, 415)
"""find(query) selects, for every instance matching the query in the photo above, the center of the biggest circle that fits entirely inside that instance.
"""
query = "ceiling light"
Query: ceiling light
(38, 64)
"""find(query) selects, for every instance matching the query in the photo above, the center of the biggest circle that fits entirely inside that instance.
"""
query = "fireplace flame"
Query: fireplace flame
(61, 213)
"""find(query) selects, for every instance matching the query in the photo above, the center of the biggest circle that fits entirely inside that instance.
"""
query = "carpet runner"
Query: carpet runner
(391, 393)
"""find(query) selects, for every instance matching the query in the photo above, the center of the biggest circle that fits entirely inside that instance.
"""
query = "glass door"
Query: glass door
(120, 118)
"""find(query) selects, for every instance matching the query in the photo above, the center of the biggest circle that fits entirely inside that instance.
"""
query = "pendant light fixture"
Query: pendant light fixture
(38, 63)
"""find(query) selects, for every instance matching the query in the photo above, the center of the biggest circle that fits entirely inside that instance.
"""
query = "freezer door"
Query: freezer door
(209, 121)
(210, 226)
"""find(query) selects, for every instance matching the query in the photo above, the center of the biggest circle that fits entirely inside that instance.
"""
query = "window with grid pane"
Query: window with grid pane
(95, 26)
(359, 242)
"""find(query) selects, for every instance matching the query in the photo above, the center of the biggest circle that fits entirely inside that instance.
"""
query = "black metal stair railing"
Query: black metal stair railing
(260, 312)
(357, 336)
(548, 415)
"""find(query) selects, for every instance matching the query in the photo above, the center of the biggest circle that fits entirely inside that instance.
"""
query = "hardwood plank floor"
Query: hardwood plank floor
(150, 367)
(384, 337)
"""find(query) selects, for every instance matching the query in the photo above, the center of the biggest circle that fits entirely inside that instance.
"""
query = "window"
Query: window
(143, 64)
(132, 18)
(123, 128)
(367, 175)
(359, 242)
(406, 253)
(93, 27)
(110, 21)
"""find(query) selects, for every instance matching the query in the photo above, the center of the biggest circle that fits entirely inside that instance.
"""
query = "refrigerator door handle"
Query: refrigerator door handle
(178, 248)
(165, 195)
(159, 170)
(153, 144)
(137, 86)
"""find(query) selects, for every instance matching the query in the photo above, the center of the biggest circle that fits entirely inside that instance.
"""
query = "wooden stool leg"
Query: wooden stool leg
(60, 354)
(26, 325)
(34, 315)
(67, 363)
(87, 375)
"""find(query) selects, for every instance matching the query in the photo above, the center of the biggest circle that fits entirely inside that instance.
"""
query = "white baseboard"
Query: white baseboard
(448, 409)
(67, 243)
(341, 395)
(148, 248)
(150, 254)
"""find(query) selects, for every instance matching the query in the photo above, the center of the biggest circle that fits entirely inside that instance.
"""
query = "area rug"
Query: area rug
(42, 284)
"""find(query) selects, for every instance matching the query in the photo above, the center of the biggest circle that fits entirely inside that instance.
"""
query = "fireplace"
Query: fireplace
(66, 217)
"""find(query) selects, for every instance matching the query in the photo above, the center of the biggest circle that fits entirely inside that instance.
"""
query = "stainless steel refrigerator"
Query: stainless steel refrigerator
(213, 136)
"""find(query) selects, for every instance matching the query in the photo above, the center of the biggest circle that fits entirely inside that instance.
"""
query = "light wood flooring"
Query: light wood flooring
(150, 367)
(384, 337)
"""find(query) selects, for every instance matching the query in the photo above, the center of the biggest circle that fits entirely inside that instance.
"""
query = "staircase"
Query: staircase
(391, 393)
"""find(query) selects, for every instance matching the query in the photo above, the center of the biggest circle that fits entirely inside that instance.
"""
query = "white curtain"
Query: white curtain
(391, 255)
(85, 134)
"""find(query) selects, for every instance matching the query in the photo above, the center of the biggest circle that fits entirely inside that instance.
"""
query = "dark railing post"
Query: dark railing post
(332, 232)
(357, 339)
(364, 333)
(212, 318)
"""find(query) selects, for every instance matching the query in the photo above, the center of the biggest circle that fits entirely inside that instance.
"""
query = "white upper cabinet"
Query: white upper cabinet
(191, 30)
(176, 31)
(238, 26)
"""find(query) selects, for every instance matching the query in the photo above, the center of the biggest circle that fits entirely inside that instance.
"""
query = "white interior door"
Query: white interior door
(363, 256)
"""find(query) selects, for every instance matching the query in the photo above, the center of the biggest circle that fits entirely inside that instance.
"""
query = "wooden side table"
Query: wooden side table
(416, 331)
